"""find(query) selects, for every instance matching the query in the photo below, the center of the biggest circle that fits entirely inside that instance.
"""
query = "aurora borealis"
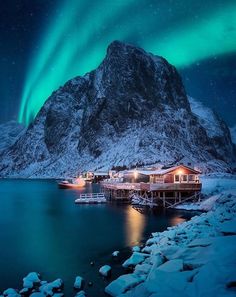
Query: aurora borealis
(71, 38)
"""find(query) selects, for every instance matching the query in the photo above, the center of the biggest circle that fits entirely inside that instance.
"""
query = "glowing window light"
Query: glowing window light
(135, 174)
(180, 172)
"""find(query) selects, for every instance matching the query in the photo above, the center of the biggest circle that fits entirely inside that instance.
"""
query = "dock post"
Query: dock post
(164, 199)
(199, 196)
(176, 195)
(152, 199)
(180, 197)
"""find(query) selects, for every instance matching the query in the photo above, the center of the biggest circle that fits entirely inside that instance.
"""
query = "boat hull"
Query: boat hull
(70, 186)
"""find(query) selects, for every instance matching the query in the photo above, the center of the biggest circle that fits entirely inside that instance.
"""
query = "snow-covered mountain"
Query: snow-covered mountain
(10, 132)
(132, 109)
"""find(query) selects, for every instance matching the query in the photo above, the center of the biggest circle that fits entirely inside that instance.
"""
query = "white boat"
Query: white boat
(72, 183)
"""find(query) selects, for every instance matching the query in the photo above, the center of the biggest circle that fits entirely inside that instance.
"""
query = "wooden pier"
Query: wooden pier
(91, 198)
(166, 195)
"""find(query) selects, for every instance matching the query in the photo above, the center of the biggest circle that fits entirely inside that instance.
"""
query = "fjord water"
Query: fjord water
(41, 229)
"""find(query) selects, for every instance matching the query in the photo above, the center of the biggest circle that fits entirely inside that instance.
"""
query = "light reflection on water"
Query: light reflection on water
(176, 220)
(135, 224)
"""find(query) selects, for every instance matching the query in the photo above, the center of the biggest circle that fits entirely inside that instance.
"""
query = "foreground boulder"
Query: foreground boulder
(122, 284)
(53, 287)
(79, 283)
(32, 279)
(105, 270)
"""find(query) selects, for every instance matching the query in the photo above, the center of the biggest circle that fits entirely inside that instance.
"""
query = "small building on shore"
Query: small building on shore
(166, 184)
(100, 176)
(177, 174)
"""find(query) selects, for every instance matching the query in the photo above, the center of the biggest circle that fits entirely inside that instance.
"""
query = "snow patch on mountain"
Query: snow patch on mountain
(10, 132)
(233, 134)
(207, 118)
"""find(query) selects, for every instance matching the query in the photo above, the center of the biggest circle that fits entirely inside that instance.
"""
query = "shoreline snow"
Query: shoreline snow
(212, 186)
(181, 258)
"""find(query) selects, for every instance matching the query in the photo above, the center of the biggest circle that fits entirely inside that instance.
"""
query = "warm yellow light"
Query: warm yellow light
(180, 172)
(135, 174)
(176, 220)
(135, 223)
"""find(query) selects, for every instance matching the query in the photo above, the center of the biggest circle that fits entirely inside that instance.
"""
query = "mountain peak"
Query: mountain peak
(136, 74)
(120, 46)
(132, 109)
(122, 49)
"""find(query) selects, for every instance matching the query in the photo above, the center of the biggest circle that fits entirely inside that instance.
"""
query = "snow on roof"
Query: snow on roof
(100, 173)
(163, 171)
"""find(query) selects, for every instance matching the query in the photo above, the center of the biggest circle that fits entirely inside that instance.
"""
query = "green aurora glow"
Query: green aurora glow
(76, 42)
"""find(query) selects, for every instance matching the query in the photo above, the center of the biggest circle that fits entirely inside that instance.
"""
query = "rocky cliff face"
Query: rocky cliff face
(131, 110)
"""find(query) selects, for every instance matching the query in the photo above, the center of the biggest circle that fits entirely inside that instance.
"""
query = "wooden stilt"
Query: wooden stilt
(176, 195)
(164, 199)
(199, 196)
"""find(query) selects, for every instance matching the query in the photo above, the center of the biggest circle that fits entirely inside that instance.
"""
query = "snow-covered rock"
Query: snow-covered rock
(115, 253)
(25, 291)
(136, 248)
(105, 270)
(37, 294)
(51, 288)
(81, 294)
(132, 109)
(79, 283)
(228, 227)
(11, 293)
(135, 258)
(198, 255)
(171, 266)
(122, 284)
(31, 279)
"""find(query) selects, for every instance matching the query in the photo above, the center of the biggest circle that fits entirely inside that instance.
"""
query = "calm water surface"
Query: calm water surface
(41, 229)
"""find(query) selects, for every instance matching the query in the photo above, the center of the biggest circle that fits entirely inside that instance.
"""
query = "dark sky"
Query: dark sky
(39, 39)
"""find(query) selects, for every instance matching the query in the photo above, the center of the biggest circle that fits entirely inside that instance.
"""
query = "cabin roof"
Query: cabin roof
(100, 173)
(164, 171)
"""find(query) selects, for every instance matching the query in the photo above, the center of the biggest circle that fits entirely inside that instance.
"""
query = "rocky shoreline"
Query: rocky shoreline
(181, 258)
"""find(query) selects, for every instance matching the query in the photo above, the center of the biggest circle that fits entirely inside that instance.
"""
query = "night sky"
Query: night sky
(45, 43)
